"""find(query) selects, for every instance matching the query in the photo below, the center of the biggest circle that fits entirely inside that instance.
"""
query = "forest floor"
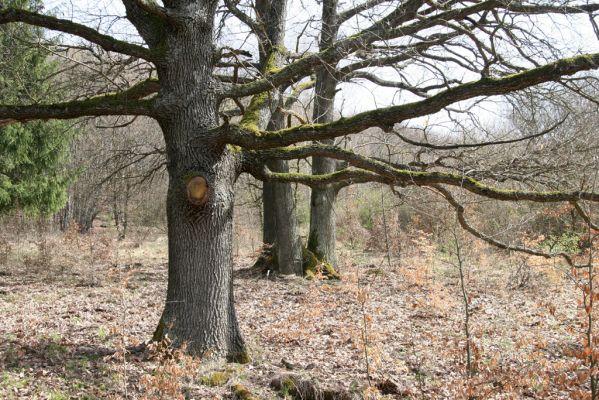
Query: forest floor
(70, 305)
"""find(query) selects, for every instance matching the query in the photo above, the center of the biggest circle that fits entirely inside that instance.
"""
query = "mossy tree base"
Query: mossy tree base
(312, 265)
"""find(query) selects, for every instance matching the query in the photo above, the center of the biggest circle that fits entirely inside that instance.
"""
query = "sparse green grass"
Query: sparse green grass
(12, 381)
(58, 395)
(217, 378)
(102, 333)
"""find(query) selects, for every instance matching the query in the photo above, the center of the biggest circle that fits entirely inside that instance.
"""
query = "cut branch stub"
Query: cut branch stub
(197, 190)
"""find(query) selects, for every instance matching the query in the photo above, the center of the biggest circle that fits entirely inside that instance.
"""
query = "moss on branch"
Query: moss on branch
(259, 102)
(127, 102)
(387, 117)
(371, 170)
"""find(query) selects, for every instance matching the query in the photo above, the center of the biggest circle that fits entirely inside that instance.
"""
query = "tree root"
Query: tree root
(312, 266)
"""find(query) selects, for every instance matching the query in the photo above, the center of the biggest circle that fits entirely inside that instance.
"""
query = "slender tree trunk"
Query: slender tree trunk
(124, 211)
(116, 214)
(65, 215)
(288, 245)
(269, 231)
(322, 236)
(280, 218)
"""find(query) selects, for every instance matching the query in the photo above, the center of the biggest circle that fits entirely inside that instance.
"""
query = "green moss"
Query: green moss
(312, 265)
(287, 386)
(242, 393)
(375, 271)
(234, 148)
(217, 378)
(313, 243)
(251, 117)
(292, 176)
(303, 86)
(271, 65)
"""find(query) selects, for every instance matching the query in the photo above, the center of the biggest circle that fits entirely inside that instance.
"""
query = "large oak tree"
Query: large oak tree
(469, 50)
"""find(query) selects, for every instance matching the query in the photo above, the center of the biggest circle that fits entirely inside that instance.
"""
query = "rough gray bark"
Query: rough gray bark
(280, 221)
(199, 306)
(288, 245)
(322, 237)
(199, 311)
(121, 192)
(269, 230)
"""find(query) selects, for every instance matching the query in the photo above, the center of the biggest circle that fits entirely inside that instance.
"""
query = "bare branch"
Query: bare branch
(469, 228)
(584, 215)
(395, 25)
(420, 91)
(522, 8)
(303, 66)
(352, 12)
(387, 117)
(478, 145)
(107, 42)
(246, 19)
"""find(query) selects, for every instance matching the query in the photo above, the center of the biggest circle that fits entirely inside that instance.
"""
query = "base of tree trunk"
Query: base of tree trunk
(312, 266)
(161, 336)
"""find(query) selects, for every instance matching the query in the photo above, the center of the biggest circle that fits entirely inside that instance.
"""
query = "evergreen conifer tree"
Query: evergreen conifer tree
(33, 155)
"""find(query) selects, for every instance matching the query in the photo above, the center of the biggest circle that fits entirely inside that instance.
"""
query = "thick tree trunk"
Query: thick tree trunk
(199, 311)
(322, 238)
(280, 224)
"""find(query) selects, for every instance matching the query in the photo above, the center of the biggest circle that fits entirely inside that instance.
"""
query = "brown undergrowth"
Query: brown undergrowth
(381, 332)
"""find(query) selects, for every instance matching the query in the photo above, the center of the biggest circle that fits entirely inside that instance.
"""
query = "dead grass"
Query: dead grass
(62, 324)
